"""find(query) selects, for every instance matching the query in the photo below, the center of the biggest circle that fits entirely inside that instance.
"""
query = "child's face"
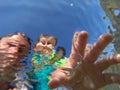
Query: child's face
(45, 45)
(16, 45)
(12, 49)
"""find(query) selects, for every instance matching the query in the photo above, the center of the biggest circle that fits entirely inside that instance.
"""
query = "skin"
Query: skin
(87, 75)
(45, 44)
(12, 49)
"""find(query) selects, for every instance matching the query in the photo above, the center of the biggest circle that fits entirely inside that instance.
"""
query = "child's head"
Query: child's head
(45, 44)
(61, 50)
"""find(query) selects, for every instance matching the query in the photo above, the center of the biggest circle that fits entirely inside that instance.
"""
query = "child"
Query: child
(45, 59)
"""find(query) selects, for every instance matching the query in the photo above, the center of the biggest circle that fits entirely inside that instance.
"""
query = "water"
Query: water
(60, 18)
(57, 17)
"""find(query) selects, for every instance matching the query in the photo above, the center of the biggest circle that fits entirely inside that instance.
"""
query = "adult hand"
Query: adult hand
(83, 70)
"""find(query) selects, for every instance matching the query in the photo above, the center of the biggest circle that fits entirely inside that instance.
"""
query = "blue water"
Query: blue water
(56, 17)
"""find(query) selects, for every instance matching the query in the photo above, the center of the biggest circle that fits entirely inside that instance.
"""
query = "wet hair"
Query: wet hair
(46, 35)
(16, 33)
(61, 48)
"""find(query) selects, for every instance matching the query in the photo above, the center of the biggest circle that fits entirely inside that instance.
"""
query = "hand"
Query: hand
(87, 70)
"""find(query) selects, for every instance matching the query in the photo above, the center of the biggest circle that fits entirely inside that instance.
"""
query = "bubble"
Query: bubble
(71, 4)
(117, 12)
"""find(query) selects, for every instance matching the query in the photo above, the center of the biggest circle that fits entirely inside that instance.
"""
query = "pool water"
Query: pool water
(60, 18)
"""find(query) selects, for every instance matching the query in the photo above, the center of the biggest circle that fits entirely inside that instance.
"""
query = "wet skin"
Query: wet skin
(89, 74)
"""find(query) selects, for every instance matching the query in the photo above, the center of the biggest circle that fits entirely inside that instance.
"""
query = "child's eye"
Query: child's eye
(43, 42)
(21, 48)
(49, 43)
(11, 44)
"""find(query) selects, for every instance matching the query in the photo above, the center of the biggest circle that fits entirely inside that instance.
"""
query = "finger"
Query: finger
(111, 78)
(104, 63)
(57, 79)
(78, 47)
(98, 47)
